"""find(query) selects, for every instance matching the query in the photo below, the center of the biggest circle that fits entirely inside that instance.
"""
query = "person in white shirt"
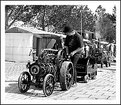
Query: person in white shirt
(87, 49)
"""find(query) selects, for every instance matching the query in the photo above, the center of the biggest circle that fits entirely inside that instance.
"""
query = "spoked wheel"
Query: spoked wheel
(60, 57)
(24, 82)
(48, 85)
(66, 75)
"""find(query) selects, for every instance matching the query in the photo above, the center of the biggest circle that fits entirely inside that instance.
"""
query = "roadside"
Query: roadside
(13, 70)
(101, 88)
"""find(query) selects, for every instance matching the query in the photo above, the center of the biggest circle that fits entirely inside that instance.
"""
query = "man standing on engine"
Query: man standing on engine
(74, 44)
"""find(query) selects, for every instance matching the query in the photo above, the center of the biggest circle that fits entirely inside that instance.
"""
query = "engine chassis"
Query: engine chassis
(50, 67)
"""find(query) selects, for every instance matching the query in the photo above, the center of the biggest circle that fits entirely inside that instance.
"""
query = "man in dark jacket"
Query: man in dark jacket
(74, 43)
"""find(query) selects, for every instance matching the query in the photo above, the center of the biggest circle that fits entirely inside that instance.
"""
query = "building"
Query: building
(90, 35)
(20, 41)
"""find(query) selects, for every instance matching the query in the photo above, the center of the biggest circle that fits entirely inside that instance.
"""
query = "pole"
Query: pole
(81, 19)
(81, 23)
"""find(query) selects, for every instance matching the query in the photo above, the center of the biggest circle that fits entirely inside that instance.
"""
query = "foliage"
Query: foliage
(14, 13)
(41, 16)
(105, 24)
(109, 31)
(67, 14)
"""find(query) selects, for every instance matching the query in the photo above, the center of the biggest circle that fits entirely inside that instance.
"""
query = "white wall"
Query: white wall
(17, 46)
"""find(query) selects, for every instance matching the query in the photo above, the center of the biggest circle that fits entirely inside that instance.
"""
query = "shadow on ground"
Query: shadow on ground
(32, 92)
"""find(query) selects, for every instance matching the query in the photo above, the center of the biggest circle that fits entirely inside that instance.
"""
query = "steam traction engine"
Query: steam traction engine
(50, 67)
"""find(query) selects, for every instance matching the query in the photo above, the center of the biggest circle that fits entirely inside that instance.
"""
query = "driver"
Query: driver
(74, 44)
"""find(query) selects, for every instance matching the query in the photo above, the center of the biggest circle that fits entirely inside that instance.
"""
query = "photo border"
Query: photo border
(117, 43)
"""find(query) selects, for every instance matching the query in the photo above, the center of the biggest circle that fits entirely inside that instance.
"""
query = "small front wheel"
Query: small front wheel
(24, 82)
(48, 85)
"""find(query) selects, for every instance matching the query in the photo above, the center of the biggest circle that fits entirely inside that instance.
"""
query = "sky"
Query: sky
(92, 5)
(108, 8)
(108, 5)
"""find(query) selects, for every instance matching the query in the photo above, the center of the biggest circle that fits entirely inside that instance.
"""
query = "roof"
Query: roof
(89, 32)
(103, 42)
(86, 40)
(31, 30)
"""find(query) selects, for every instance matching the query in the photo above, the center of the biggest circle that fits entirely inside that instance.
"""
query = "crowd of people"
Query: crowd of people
(110, 48)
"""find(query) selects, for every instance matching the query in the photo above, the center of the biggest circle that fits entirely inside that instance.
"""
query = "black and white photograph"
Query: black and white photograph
(60, 52)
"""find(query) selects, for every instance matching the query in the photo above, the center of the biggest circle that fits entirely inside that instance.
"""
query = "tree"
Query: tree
(100, 11)
(88, 22)
(109, 30)
(72, 14)
(112, 17)
(60, 15)
(105, 24)
(114, 10)
(41, 16)
(14, 13)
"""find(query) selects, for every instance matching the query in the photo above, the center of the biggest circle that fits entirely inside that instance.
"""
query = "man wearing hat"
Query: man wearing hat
(74, 43)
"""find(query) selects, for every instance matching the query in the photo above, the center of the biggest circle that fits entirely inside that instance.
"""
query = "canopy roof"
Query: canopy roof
(33, 31)
(103, 42)
(86, 40)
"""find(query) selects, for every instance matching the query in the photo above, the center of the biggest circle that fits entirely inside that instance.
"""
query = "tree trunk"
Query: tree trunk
(43, 18)
(7, 26)
(6, 19)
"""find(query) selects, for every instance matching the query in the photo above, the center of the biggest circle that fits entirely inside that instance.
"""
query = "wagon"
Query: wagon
(98, 55)
(86, 66)
(106, 58)
(102, 56)
(51, 66)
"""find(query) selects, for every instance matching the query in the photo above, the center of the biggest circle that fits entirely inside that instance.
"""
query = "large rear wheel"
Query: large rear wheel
(24, 82)
(60, 58)
(66, 75)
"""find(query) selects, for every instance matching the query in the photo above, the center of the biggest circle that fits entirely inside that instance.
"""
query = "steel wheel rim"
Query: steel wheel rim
(60, 59)
(69, 76)
(24, 81)
(49, 86)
